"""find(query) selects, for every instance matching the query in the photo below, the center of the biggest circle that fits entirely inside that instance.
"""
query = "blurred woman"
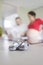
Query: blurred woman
(34, 28)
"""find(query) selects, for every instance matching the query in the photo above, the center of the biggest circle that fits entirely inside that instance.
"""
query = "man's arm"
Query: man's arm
(23, 34)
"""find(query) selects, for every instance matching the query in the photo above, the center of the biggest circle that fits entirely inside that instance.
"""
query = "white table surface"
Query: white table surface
(33, 56)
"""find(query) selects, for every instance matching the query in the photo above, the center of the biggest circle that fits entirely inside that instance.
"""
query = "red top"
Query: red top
(36, 24)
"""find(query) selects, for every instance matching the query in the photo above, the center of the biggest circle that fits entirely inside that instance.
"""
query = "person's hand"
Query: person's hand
(23, 34)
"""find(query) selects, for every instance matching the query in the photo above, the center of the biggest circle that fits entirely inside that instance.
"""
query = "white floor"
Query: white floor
(33, 56)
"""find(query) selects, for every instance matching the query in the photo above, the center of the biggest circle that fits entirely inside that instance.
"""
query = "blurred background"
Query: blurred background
(9, 9)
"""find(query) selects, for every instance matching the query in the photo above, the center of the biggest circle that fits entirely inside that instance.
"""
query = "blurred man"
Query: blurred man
(17, 32)
(34, 28)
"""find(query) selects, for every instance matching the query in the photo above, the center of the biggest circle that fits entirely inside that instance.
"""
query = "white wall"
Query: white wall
(39, 12)
(23, 13)
(0, 12)
(10, 20)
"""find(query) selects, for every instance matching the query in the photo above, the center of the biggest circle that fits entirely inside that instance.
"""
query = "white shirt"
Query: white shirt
(17, 30)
